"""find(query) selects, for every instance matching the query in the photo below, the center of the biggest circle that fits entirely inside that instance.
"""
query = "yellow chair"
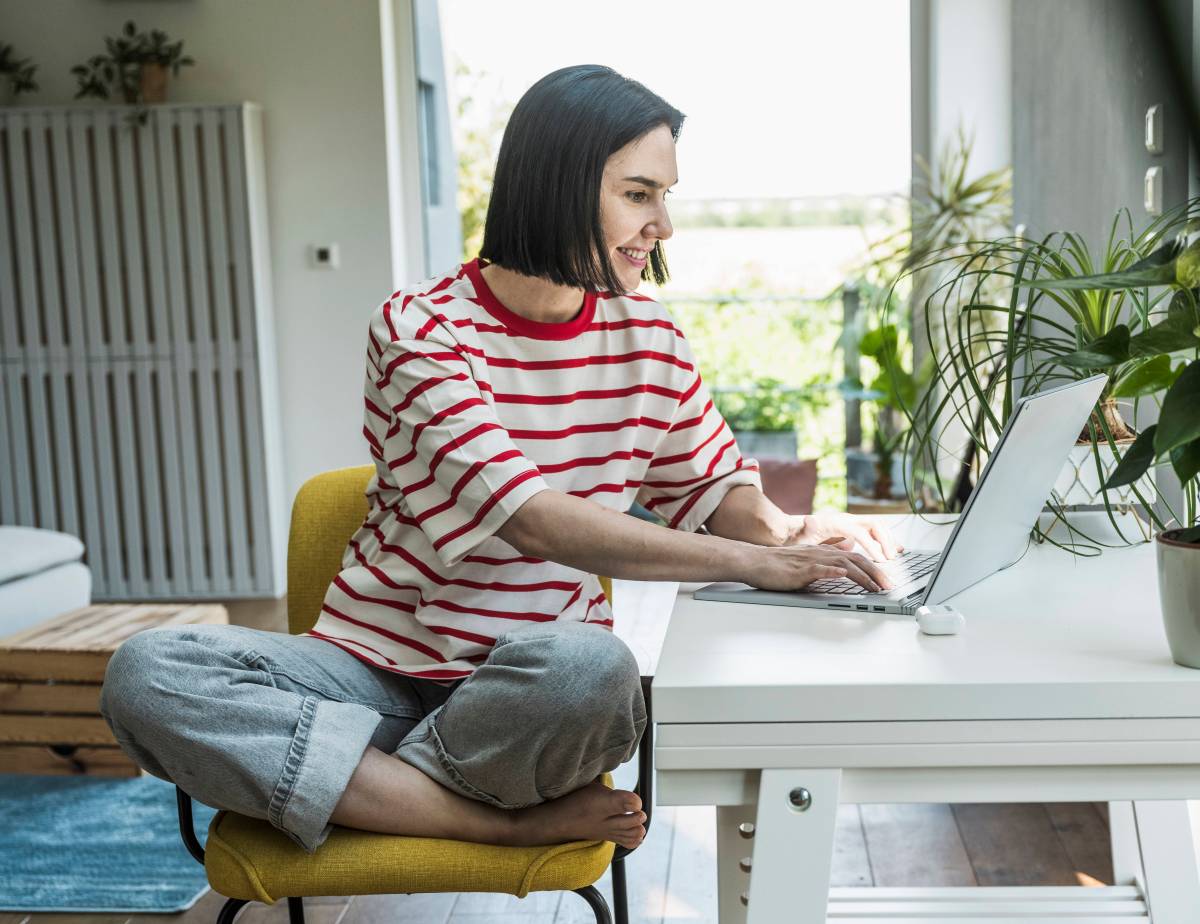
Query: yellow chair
(248, 860)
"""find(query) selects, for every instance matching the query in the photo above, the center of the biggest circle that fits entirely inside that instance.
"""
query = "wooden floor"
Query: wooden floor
(672, 877)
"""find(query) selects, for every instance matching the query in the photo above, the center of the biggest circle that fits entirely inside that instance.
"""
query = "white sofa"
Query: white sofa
(41, 575)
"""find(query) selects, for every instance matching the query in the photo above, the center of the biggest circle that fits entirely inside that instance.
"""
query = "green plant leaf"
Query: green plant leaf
(1136, 460)
(879, 341)
(1179, 421)
(1164, 337)
(1109, 350)
(1185, 460)
(1146, 378)
(1136, 277)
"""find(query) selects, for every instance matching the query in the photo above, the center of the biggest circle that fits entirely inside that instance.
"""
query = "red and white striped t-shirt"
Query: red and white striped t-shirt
(470, 411)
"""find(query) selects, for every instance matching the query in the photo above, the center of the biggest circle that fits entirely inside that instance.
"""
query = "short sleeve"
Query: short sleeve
(697, 462)
(460, 472)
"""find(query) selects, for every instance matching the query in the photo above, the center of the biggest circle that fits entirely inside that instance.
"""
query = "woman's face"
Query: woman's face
(633, 209)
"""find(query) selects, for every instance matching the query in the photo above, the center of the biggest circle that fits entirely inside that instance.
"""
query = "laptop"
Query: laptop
(992, 531)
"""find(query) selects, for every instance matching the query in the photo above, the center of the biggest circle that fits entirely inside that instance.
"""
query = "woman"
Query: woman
(462, 680)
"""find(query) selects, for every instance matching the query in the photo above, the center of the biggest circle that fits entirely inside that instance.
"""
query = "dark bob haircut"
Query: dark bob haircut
(544, 215)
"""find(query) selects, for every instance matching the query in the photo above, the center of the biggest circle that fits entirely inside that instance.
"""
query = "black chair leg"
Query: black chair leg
(230, 910)
(597, 903)
(296, 910)
(620, 902)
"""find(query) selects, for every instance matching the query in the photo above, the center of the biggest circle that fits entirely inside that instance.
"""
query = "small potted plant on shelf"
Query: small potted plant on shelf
(134, 65)
(762, 416)
(1161, 358)
(16, 75)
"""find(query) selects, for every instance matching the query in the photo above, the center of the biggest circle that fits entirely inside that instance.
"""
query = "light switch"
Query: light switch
(1154, 129)
(1152, 192)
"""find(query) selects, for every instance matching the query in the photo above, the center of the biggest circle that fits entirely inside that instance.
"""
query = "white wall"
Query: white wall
(316, 68)
(969, 78)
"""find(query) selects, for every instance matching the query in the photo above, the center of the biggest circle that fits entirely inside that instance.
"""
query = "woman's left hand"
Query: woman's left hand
(847, 529)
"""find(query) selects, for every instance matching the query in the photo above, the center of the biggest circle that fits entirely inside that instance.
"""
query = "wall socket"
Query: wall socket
(1152, 193)
(324, 256)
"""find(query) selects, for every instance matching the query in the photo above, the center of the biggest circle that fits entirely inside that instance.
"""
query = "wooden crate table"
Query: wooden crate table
(50, 678)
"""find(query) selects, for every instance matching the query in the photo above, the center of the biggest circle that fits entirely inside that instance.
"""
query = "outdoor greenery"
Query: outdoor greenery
(1017, 316)
(948, 210)
(119, 69)
(18, 71)
(478, 142)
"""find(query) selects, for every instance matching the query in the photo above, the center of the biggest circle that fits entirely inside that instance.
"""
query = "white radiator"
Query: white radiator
(138, 405)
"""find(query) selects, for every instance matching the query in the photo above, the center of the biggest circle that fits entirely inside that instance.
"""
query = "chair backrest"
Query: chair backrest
(328, 509)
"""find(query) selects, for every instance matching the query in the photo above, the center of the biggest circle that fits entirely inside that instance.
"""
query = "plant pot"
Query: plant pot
(1179, 596)
(767, 444)
(153, 83)
(862, 471)
(1079, 484)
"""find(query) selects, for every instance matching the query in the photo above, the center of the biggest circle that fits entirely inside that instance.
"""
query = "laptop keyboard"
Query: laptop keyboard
(910, 566)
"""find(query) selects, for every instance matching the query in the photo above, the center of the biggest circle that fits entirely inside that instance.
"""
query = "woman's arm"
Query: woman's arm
(582, 534)
(747, 514)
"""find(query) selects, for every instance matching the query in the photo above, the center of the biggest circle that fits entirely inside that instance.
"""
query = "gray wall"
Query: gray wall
(1084, 73)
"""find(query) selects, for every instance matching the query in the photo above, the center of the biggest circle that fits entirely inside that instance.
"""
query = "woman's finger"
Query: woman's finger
(866, 539)
(877, 574)
(859, 575)
(884, 537)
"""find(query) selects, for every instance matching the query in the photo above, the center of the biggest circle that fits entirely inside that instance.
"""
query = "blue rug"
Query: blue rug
(90, 844)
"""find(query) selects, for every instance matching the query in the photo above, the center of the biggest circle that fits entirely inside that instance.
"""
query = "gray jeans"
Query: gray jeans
(272, 726)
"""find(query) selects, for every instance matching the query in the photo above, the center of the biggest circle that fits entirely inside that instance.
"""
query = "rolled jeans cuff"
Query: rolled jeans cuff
(327, 746)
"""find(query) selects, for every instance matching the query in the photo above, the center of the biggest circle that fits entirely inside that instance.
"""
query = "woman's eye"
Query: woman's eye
(637, 196)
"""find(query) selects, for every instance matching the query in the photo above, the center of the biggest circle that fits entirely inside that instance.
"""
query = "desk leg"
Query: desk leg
(793, 845)
(734, 849)
(1168, 861)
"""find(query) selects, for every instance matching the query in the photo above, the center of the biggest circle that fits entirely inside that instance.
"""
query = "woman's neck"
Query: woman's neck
(533, 298)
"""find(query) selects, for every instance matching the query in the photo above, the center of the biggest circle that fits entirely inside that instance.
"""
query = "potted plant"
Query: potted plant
(992, 344)
(762, 416)
(135, 65)
(1161, 358)
(881, 472)
(16, 74)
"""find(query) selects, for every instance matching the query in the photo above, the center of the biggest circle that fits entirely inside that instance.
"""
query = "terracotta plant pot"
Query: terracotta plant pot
(154, 83)
(1179, 595)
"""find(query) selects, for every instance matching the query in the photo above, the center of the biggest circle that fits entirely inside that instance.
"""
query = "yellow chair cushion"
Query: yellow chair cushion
(248, 858)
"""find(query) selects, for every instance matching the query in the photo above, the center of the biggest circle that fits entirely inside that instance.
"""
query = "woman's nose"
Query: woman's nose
(662, 227)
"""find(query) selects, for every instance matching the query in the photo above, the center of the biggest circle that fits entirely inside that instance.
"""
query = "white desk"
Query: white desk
(1060, 688)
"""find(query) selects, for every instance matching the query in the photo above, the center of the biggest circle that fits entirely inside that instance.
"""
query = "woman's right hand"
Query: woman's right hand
(794, 567)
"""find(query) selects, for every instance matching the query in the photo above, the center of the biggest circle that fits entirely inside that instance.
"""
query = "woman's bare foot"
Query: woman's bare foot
(593, 813)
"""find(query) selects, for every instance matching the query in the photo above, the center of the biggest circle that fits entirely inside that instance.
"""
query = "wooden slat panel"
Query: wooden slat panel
(16, 502)
(130, 176)
(55, 729)
(106, 566)
(128, 477)
(176, 547)
(183, 350)
(205, 378)
(59, 468)
(244, 315)
(103, 627)
(82, 419)
(67, 698)
(78, 666)
(226, 354)
(92, 761)
(33, 420)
